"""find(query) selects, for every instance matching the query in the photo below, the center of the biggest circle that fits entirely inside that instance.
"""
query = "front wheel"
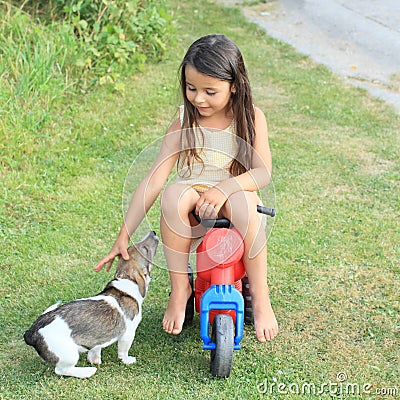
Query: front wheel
(223, 332)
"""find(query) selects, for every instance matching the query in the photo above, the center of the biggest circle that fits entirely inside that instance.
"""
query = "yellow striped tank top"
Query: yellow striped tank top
(217, 149)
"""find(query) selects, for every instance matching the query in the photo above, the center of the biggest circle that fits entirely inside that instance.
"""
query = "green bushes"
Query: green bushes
(107, 33)
(33, 68)
(114, 33)
(47, 48)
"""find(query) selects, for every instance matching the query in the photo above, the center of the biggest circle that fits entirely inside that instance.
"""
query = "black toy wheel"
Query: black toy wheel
(223, 332)
(248, 308)
(189, 311)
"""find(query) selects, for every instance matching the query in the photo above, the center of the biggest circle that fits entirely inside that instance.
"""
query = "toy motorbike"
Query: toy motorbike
(221, 291)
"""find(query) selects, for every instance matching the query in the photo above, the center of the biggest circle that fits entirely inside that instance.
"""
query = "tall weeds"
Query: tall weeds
(35, 65)
(47, 52)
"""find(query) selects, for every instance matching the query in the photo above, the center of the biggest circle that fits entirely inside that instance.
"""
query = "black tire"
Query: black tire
(189, 311)
(248, 308)
(223, 332)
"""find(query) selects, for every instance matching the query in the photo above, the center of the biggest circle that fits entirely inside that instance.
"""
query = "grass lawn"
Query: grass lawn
(333, 252)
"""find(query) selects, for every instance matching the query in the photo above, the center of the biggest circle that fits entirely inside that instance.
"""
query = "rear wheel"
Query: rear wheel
(223, 332)
(189, 311)
(248, 308)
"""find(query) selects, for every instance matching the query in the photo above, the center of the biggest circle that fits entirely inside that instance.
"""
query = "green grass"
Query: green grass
(333, 252)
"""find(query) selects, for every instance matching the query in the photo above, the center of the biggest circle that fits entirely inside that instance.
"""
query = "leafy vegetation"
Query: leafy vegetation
(57, 48)
(333, 252)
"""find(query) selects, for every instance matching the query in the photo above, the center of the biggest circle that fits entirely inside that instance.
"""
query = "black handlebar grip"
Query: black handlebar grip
(213, 223)
(265, 210)
(225, 223)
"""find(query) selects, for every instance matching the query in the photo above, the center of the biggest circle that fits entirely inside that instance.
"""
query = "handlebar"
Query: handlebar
(225, 223)
(267, 211)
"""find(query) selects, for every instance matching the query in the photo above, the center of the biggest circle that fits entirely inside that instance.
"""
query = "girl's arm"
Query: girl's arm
(145, 194)
(150, 187)
(256, 178)
(259, 175)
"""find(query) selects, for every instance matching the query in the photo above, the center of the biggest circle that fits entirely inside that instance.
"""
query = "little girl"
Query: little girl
(219, 145)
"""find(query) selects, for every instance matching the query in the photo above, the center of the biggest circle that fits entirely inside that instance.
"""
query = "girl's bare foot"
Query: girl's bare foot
(174, 316)
(265, 322)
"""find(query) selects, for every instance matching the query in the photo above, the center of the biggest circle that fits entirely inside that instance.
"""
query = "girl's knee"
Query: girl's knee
(242, 204)
(171, 195)
(177, 196)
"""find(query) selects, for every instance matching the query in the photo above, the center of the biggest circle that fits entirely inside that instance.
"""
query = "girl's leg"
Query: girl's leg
(241, 209)
(177, 202)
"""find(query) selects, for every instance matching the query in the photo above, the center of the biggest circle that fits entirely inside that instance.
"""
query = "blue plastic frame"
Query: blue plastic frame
(221, 297)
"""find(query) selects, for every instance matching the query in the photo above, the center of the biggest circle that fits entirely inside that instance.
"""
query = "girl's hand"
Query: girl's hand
(119, 249)
(210, 203)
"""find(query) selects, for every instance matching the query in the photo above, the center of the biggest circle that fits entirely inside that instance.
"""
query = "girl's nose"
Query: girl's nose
(199, 98)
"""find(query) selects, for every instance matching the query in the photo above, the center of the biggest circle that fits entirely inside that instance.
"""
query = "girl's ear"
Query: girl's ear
(233, 89)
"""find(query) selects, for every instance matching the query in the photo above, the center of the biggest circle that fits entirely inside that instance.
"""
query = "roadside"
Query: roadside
(358, 40)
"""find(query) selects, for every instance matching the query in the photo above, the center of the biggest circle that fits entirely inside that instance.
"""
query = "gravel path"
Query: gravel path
(358, 39)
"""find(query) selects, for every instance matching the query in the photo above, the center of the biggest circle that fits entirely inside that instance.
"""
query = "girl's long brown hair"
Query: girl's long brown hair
(219, 57)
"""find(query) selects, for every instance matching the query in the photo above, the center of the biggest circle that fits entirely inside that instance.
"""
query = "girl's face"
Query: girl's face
(211, 96)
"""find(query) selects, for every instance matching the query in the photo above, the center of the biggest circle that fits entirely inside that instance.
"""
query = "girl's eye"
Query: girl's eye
(192, 89)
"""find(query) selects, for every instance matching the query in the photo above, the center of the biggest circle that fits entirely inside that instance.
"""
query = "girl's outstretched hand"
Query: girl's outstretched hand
(120, 248)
